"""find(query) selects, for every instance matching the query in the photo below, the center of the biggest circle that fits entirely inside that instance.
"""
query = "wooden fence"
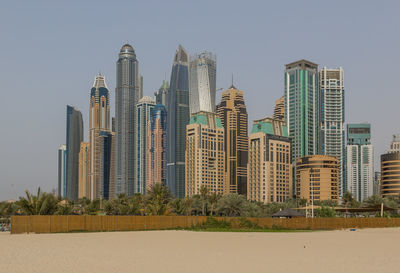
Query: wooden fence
(73, 223)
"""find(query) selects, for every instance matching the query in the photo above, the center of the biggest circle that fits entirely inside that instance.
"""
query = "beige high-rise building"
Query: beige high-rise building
(99, 121)
(205, 155)
(279, 110)
(84, 164)
(269, 169)
(233, 114)
(317, 178)
(390, 170)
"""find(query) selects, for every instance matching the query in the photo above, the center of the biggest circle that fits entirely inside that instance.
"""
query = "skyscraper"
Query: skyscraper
(233, 115)
(156, 147)
(144, 108)
(99, 120)
(332, 118)
(390, 170)
(105, 183)
(360, 161)
(127, 94)
(161, 94)
(74, 134)
(84, 165)
(279, 110)
(202, 79)
(62, 164)
(178, 118)
(302, 98)
(205, 155)
(269, 169)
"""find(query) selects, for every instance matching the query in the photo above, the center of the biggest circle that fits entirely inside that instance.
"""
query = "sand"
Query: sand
(368, 250)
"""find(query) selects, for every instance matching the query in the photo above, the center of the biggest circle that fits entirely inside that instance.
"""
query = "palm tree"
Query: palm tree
(188, 206)
(158, 198)
(231, 204)
(203, 196)
(42, 203)
(213, 199)
(347, 198)
(178, 206)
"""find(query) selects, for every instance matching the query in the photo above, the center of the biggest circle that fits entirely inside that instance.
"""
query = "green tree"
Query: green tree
(203, 196)
(178, 206)
(325, 212)
(40, 204)
(158, 198)
(231, 204)
(213, 200)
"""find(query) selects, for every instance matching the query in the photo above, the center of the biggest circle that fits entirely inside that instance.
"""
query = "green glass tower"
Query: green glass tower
(302, 108)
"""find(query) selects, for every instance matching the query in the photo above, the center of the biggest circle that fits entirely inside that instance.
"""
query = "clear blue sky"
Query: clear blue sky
(50, 53)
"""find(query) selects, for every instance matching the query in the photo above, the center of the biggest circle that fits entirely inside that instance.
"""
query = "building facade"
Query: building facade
(161, 94)
(317, 178)
(62, 164)
(202, 79)
(127, 93)
(269, 169)
(279, 110)
(331, 83)
(302, 101)
(360, 161)
(74, 137)
(105, 183)
(390, 170)
(143, 114)
(99, 121)
(84, 189)
(156, 147)
(205, 155)
(178, 117)
(233, 115)
(377, 184)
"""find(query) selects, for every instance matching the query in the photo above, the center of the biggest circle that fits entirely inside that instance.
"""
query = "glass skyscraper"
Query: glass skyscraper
(161, 94)
(360, 161)
(332, 118)
(302, 109)
(178, 118)
(127, 94)
(74, 134)
(203, 67)
(302, 98)
(143, 113)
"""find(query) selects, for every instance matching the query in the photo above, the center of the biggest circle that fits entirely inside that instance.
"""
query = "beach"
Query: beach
(367, 250)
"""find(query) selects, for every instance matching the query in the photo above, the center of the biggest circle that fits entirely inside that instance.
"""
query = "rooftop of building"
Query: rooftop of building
(181, 55)
(100, 81)
(147, 99)
(303, 64)
(206, 118)
(270, 126)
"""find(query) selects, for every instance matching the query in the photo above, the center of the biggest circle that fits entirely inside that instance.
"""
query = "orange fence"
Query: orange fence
(73, 223)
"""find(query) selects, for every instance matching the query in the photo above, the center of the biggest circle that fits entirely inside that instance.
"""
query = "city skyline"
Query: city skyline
(377, 93)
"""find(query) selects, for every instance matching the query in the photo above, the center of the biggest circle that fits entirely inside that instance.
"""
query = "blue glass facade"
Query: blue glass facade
(178, 118)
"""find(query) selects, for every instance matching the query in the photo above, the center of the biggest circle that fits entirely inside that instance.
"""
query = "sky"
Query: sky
(51, 51)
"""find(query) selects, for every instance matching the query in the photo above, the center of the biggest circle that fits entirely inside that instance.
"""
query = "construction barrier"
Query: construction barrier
(89, 223)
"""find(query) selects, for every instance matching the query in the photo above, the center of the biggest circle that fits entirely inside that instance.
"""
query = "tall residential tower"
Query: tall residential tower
(233, 114)
(332, 142)
(99, 121)
(127, 94)
(360, 161)
(178, 118)
(202, 78)
(74, 139)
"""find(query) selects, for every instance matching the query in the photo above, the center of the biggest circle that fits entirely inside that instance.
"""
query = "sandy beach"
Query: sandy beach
(368, 250)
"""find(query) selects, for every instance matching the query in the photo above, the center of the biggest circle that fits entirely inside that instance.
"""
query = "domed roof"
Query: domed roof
(127, 48)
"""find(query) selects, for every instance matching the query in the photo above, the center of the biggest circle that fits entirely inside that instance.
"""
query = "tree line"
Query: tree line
(159, 201)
